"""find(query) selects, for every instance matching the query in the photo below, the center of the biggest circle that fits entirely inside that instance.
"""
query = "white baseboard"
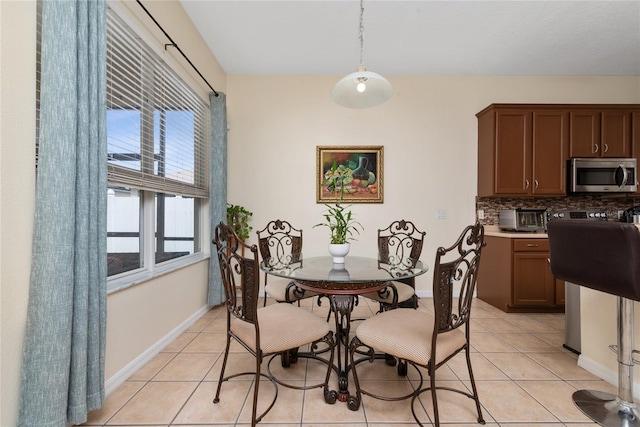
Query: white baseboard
(606, 374)
(121, 376)
(425, 294)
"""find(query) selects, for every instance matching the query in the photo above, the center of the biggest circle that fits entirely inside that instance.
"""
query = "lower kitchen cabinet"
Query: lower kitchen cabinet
(515, 276)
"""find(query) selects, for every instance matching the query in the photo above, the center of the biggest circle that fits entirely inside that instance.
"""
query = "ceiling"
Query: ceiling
(422, 37)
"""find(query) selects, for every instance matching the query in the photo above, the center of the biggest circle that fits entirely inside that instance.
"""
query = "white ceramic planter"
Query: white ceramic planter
(338, 252)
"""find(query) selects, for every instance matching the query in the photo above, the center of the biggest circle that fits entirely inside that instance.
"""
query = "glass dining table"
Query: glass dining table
(341, 284)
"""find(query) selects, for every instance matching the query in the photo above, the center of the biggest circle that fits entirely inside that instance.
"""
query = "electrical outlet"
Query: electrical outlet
(441, 214)
(480, 213)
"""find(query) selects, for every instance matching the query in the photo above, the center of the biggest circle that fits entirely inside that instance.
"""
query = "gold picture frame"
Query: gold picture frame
(362, 168)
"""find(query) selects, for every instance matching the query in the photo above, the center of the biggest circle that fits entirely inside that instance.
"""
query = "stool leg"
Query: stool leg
(607, 409)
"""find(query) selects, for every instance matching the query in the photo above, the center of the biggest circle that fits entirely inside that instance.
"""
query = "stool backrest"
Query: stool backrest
(601, 255)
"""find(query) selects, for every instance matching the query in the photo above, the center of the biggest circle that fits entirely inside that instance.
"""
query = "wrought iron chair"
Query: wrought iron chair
(278, 329)
(400, 243)
(443, 334)
(281, 242)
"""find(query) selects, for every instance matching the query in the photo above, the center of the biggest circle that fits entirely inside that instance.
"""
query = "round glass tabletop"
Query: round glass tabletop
(354, 270)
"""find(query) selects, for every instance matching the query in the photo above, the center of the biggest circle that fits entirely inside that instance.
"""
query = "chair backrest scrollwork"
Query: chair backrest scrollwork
(240, 275)
(400, 243)
(455, 271)
(280, 240)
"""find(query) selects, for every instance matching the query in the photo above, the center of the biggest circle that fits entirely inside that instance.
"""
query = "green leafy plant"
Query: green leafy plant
(238, 219)
(338, 218)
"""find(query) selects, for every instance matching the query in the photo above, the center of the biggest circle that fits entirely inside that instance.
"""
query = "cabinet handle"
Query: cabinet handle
(535, 184)
(532, 245)
(595, 148)
(605, 148)
(526, 184)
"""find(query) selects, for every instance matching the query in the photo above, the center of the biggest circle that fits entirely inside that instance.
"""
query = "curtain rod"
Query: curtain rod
(177, 47)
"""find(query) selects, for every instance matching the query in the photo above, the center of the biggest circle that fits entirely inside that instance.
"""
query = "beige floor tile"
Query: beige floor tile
(200, 324)
(453, 407)
(152, 367)
(336, 424)
(498, 325)
(528, 343)
(155, 403)
(598, 385)
(201, 409)
(219, 324)
(324, 413)
(114, 402)
(180, 343)
(528, 347)
(563, 365)
(382, 411)
(505, 401)
(529, 324)
(488, 342)
(288, 406)
(520, 367)
(556, 397)
(236, 363)
(483, 369)
(207, 342)
(554, 339)
(187, 367)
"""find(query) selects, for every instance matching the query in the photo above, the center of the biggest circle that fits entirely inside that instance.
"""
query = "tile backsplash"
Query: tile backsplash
(610, 205)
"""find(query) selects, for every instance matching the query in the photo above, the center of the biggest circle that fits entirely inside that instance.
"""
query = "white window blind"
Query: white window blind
(157, 126)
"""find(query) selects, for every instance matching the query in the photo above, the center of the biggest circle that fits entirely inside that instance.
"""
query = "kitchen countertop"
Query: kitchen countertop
(494, 231)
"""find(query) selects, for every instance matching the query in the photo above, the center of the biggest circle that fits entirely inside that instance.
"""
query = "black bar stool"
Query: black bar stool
(604, 256)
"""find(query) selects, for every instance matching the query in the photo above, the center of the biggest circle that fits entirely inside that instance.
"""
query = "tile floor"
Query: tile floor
(524, 377)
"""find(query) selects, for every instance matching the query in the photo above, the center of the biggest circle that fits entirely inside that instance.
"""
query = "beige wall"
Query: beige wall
(17, 184)
(428, 130)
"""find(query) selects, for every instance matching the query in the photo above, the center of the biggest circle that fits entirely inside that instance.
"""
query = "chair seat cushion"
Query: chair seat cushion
(405, 292)
(406, 334)
(282, 327)
(277, 289)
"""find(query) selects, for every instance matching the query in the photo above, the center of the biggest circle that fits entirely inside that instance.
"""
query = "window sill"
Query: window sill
(125, 281)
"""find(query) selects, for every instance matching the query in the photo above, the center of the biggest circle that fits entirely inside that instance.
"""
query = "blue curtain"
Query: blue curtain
(217, 188)
(63, 358)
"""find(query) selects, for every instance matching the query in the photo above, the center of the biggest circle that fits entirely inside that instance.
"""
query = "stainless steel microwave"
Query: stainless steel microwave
(603, 175)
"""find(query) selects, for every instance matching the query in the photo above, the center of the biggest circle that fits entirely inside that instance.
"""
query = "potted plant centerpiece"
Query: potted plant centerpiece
(338, 218)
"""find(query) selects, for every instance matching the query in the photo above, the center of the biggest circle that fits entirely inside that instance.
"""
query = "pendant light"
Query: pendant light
(362, 89)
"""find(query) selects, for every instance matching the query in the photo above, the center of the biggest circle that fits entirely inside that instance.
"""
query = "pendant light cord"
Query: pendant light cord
(361, 33)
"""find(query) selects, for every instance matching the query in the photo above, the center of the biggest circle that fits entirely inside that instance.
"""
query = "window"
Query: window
(157, 131)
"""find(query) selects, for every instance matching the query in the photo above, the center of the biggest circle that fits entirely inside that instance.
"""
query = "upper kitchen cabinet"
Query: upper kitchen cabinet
(522, 151)
(604, 132)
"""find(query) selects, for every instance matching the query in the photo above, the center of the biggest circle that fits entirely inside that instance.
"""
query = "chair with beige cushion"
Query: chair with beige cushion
(278, 329)
(422, 338)
(280, 242)
(399, 243)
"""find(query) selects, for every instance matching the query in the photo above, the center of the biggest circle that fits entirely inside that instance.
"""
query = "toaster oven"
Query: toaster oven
(522, 219)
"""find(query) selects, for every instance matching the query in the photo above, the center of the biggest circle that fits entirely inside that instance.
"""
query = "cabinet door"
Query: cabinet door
(550, 152)
(584, 134)
(533, 282)
(615, 139)
(513, 148)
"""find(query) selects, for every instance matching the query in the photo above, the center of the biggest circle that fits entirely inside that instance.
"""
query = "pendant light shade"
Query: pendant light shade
(362, 89)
